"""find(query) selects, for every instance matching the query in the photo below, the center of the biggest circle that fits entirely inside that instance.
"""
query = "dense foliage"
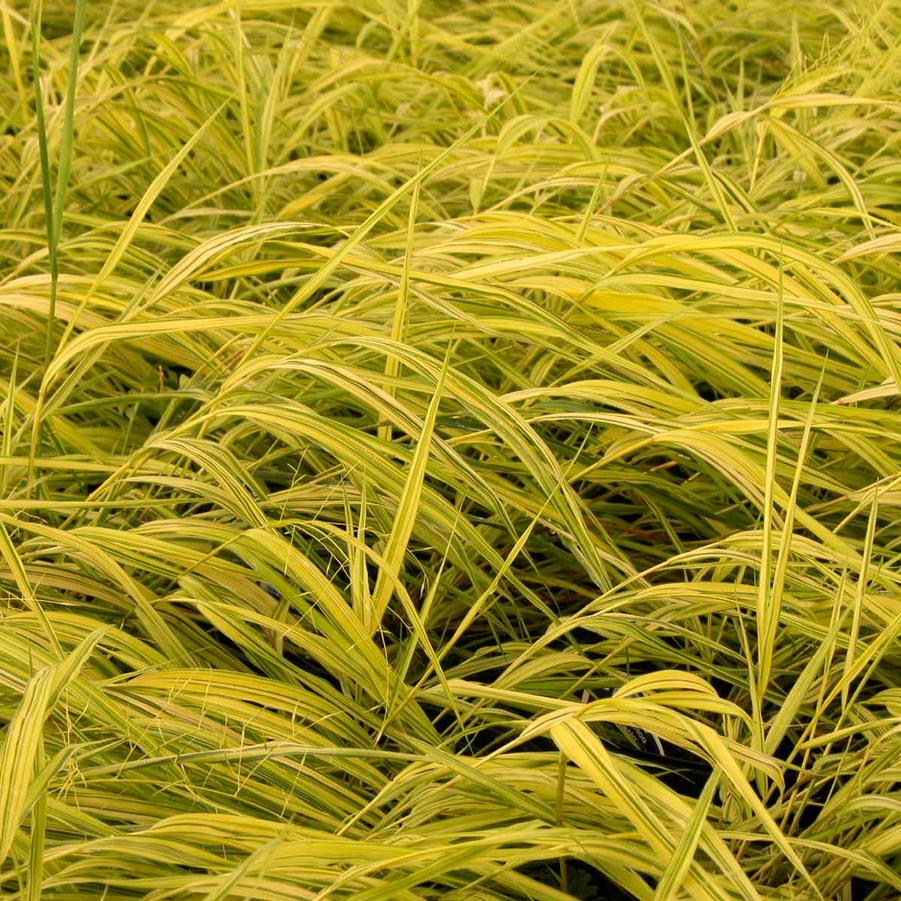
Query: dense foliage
(450, 450)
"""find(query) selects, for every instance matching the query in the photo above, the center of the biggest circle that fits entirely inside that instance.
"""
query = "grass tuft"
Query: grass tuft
(450, 450)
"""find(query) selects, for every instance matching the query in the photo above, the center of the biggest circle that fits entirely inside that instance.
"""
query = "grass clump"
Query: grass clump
(450, 450)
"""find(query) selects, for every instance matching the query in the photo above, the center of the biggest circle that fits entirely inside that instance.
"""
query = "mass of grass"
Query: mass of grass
(450, 449)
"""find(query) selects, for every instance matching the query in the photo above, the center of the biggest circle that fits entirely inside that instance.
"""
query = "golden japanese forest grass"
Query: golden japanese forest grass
(450, 450)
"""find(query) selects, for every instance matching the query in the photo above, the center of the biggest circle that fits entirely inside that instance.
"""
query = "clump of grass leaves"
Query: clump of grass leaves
(450, 450)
